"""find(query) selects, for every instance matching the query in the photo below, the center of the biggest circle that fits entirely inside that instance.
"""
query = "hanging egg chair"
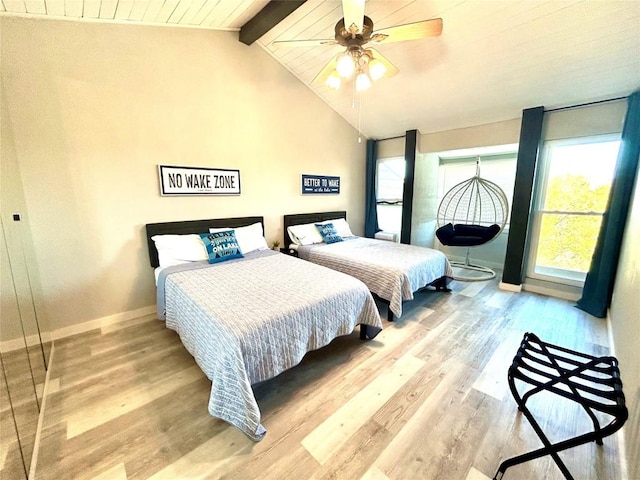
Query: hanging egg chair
(472, 213)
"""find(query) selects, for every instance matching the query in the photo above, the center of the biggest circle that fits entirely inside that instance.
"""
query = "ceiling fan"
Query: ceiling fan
(354, 31)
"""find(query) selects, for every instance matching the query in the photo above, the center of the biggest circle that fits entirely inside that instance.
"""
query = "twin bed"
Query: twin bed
(247, 319)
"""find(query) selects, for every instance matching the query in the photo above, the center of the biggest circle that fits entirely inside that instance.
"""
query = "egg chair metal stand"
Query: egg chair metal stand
(472, 213)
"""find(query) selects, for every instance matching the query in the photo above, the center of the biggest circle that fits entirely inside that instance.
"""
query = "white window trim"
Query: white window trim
(566, 277)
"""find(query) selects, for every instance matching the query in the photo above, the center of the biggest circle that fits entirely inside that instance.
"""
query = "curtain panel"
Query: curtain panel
(598, 286)
(371, 208)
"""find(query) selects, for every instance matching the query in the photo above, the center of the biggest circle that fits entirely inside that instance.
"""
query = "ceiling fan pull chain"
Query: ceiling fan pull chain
(353, 95)
(359, 117)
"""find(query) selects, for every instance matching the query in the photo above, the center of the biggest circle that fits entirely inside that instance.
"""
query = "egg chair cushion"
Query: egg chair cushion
(461, 235)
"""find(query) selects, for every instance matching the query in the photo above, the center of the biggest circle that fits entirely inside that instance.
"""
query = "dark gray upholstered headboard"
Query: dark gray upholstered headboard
(302, 218)
(192, 226)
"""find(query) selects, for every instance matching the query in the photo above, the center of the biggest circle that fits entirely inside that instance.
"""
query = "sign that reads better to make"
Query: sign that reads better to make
(198, 181)
(320, 184)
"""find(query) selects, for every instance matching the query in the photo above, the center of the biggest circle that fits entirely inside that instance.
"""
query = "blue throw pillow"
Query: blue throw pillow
(221, 246)
(328, 232)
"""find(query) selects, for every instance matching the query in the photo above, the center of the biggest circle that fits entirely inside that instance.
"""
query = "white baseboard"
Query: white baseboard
(510, 287)
(20, 342)
(612, 345)
(31, 340)
(102, 322)
(551, 292)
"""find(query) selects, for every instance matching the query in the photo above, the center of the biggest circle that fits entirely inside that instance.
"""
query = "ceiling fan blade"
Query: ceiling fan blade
(353, 13)
(304, 43)
(326, 71)
(391, 68)
(409, 31)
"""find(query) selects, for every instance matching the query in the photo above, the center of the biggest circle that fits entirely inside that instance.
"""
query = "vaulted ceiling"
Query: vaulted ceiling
(493, 58)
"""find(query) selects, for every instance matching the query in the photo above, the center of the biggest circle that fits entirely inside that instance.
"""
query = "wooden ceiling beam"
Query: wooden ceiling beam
(273, 13)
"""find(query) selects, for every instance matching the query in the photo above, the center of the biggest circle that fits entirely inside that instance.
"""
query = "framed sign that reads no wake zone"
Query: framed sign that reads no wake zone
(176, 180)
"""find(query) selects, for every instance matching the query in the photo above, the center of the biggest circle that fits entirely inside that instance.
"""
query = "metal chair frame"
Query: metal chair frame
(477, 202)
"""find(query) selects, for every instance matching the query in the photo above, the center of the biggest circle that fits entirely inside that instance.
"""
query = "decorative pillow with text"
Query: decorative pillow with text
(221, 246)
(328, 232)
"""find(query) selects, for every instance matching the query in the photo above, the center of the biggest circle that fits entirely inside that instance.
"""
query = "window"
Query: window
(389, 192)
(499, 169)
(571, 197)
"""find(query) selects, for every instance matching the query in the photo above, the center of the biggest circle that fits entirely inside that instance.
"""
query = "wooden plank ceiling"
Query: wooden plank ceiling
(493, 59)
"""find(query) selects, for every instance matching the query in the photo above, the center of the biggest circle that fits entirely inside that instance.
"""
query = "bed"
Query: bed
(247, 319)
(392, 271)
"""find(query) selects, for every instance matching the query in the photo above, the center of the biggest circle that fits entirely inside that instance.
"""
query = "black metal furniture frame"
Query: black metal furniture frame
(592, 382)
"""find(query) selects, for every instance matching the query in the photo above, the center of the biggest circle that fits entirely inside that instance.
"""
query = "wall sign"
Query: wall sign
(198, 181)
(320, 184)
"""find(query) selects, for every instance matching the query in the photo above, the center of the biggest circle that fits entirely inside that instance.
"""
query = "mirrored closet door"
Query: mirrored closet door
(25, 344)
(23, 373)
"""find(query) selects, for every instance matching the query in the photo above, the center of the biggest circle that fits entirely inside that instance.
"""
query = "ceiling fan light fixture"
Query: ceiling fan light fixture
(345, 65)
(363, 82)
(355, 31)
(333, 80)
(377, 69)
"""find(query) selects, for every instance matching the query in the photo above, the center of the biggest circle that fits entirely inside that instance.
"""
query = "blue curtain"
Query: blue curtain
(371, 208)
(598, 286)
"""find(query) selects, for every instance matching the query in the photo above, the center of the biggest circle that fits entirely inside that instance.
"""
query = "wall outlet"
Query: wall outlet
(16, 217)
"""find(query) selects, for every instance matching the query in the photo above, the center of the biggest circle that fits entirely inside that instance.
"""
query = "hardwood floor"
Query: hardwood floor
(427, 399)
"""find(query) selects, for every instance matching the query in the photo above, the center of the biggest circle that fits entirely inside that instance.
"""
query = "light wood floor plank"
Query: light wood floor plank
(117, 472)
(211, 456)
(374, 474)
(128, 401)
(100, 413)
(492, 379)
(473, 288)
(325, 440)
(476, 475)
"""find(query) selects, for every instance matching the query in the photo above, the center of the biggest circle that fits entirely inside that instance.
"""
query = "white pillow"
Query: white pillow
(305, 234)
(177, 249)
(341, 226)
(249, 238)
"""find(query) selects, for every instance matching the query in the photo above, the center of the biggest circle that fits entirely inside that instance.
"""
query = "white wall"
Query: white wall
(499, 133)
(599, 119)
(625, 325)
(393, 147)
(93, 109)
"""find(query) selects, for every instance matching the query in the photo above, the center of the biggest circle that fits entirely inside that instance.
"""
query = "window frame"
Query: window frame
(390, 202)
(541, 184)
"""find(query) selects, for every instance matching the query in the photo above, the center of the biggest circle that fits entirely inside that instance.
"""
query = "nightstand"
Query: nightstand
(289, 251)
